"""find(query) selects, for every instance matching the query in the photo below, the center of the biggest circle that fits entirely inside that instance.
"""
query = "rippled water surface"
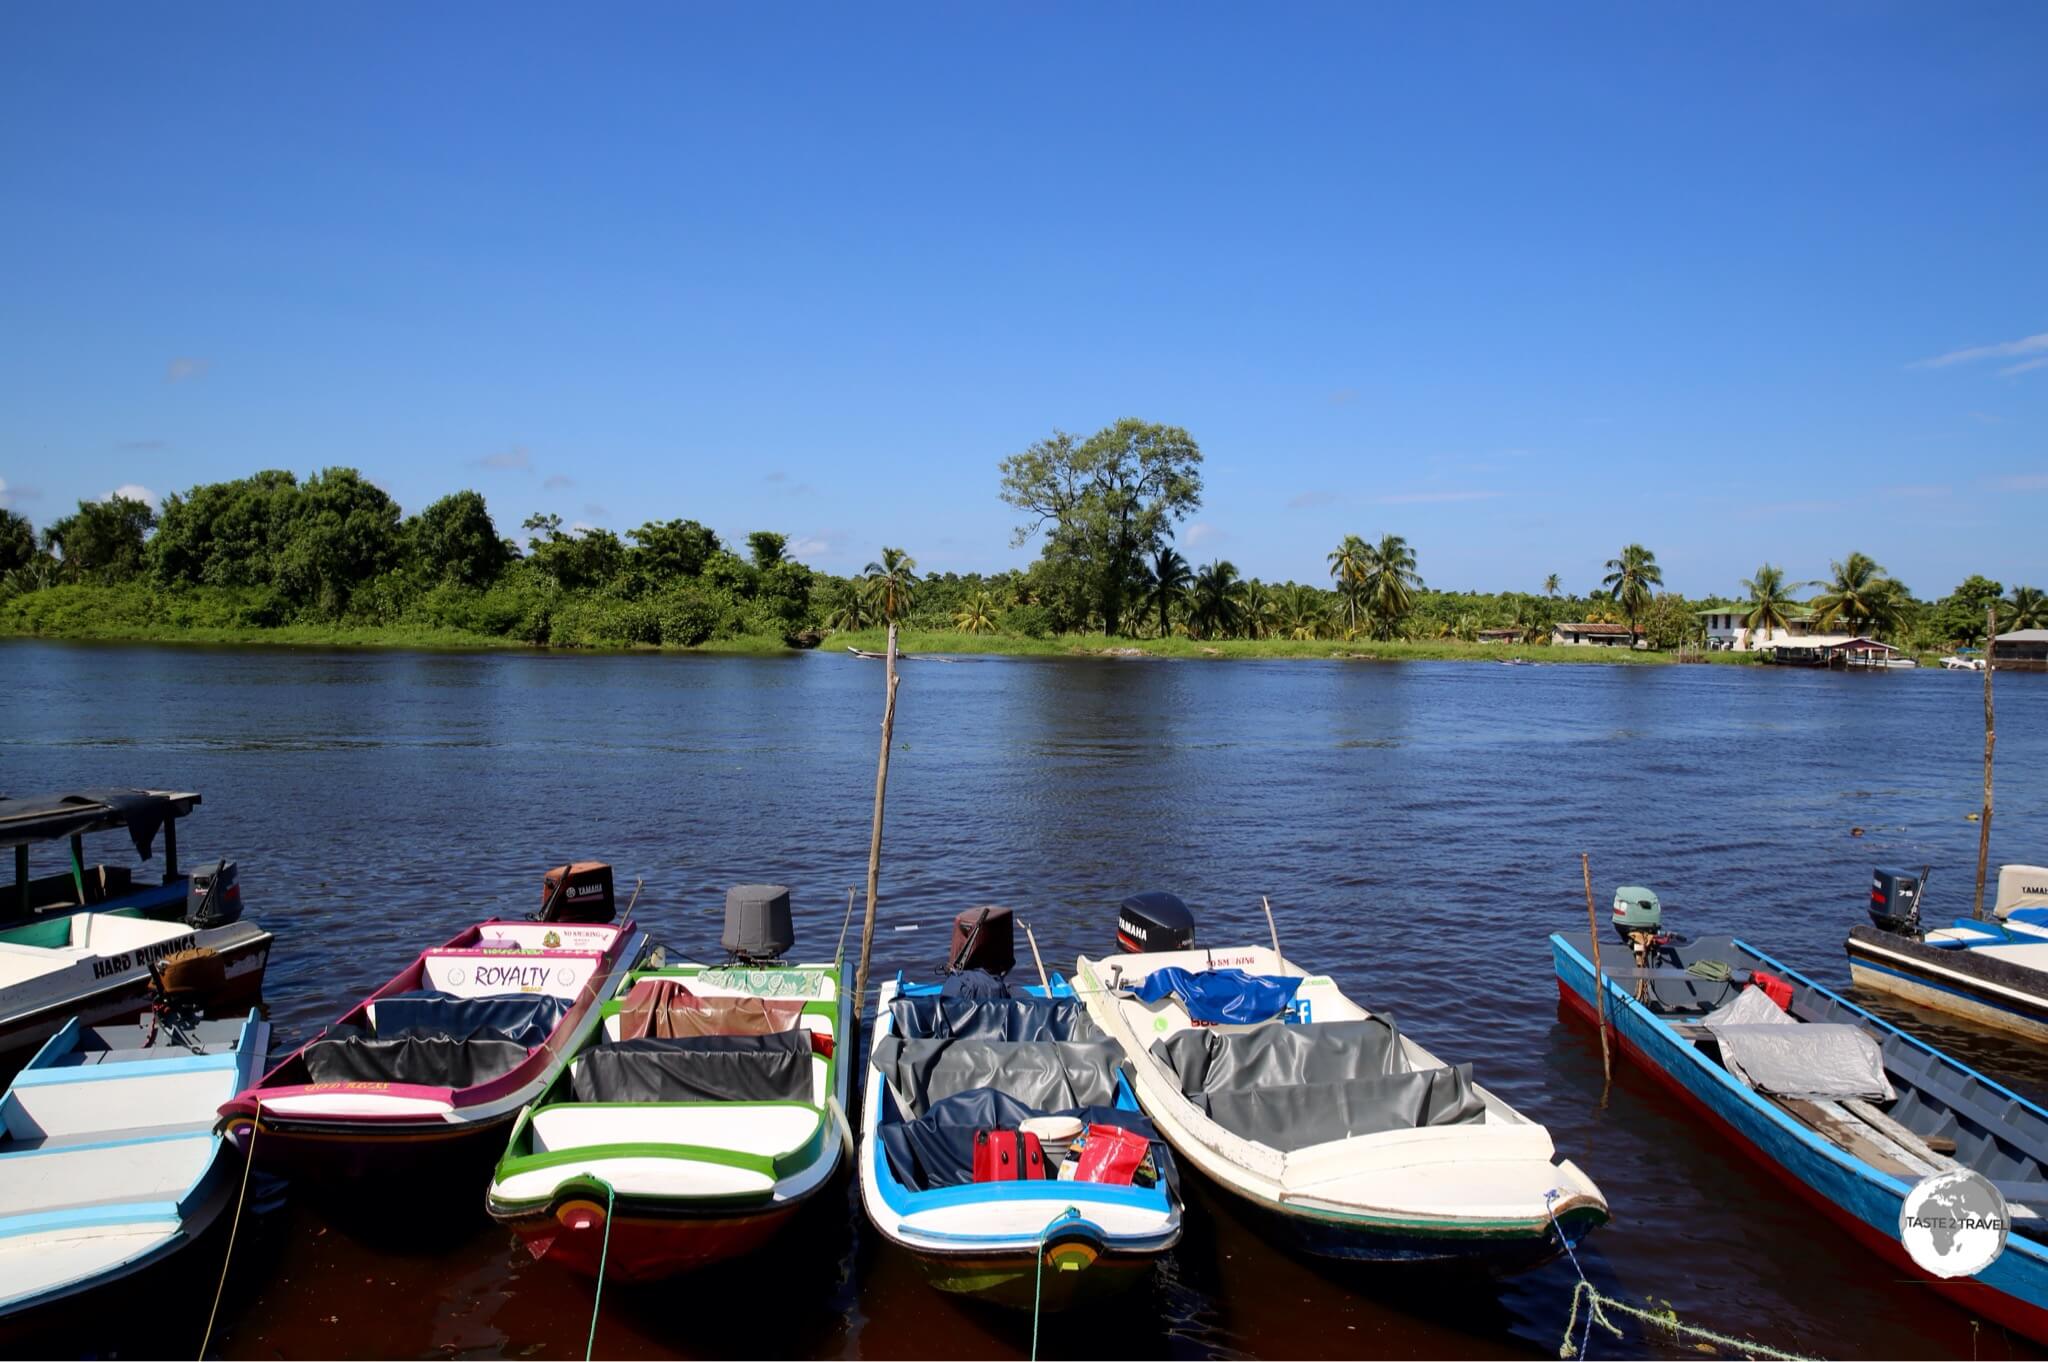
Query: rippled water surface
(1417, 826)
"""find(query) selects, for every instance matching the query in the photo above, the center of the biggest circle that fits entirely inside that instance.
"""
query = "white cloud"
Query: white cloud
(1201, 532)
(2041, 363)
(186, 367)
(516, 459)
(2024, 482)
(134, 491)
(2025, 345)
(12, 495)
(1302, 501)
(1427, 498)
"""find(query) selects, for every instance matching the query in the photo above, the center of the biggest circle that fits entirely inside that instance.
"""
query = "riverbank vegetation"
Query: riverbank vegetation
(332, 559)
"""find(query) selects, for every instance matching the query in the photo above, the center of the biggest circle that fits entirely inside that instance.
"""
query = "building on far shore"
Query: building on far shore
(2022, 650)
(1726, 632)
(1500, 636)
(1585, 635)
(1835, 650)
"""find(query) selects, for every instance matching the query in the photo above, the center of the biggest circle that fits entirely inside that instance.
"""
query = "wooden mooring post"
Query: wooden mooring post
(1990, 741)
(1599, 976)
(867, 926)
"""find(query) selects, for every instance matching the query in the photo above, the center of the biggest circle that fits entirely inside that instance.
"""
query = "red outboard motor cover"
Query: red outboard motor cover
(985, 939)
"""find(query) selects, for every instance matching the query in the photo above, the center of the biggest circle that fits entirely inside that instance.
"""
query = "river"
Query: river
(1417, 826)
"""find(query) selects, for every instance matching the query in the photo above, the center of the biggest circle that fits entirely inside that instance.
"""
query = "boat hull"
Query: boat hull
(1071, 1277)
(1866, 1204)
(1963, 983)
(646, 1243)
(452, 1157)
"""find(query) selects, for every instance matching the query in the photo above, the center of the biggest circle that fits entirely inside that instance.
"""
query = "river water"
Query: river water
(1417, 826)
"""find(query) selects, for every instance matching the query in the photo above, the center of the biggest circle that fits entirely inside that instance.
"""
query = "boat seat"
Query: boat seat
(42, 1181)
(771, 1068)
(664, 1009)
(46, 1143)
(526, 1018)
(347, 1055)
(1016, 1019)
(1050, 1075)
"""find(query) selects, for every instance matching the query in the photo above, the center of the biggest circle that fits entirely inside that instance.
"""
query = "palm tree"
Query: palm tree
(1301, 613)
(889, 584)
(1628, 582)
(1352, 609)
(977, 614)
(1771, 607)
(1350, 561)
(1166, 584)
(1391, 580)
(848, 609)
(1859, 596)
(1216, 593)
(2025, 608)
(1551, 585)
(1259, 610)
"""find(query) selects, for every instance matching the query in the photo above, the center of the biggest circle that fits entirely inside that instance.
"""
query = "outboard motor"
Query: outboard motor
(1154, 921)
(578, 892)
(984, 939)
(213, 898)
(1895, 901)
(1638, 916)
(182, 986)
(2021, 886)
(757, 925)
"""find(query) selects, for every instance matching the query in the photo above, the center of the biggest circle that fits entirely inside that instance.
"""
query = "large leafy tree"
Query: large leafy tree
(1771, 608)
(672, 548)
(225, 533)
(2026, 608)
(1166, 585)
(1860, 597)
(343, 530)
(1629, 582)
(1958, 617)
(453, 540)
(17, 540)
(575, 558)
(103, 540)
(1106, 502)
(890, 582)
(767, 548)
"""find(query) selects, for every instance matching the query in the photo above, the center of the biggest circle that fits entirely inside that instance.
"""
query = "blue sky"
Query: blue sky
(1521, 282)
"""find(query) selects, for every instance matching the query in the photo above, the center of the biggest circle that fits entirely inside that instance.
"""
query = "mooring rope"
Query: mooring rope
(1597, 1306)
(1038, 1286)
(234, 1228)
(603, 1254)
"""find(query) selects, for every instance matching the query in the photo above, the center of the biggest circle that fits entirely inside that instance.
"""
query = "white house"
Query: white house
(1593, 635)
(1726, 631)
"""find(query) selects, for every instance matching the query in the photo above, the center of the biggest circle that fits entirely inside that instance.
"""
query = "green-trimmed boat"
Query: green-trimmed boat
(706, 1108)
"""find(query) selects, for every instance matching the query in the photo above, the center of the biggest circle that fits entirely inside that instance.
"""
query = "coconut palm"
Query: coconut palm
(1551, 586)
(1259, 611)
(1352, 610)
(1166, 584)
(1216, 600)
(1391, 580)
(1301, 613)
(1771, 607)
(1859, 596)
(977, 614)
(848, 609)
(2024, 608)
(1350, 561)
(890, 583)
(1628, 582)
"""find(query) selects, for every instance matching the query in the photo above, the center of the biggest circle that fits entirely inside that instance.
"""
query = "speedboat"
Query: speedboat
(1992, 972)
(80, 943)
(1339, 1132)
(694, 1122)
(1851, 1112)
(109, 1160)
(1000, 1145)
(420, 1082)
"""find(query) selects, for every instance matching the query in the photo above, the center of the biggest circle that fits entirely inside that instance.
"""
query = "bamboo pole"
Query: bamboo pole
(867, 926)
(1990, 741)
(1599, 977)
(1044, 981)
(1279, 961)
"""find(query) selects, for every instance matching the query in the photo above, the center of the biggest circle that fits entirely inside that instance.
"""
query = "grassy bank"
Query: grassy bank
(1086, 645)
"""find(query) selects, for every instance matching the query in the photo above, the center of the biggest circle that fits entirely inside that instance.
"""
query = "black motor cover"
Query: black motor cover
(1894, 899)
(213, 898)
(757, 924)
(1154, 921)
(983, 939)
(578, 892)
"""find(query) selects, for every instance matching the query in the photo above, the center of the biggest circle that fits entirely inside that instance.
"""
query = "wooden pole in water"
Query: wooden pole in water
(1038, 960)
(1990, 741)
(867, 926)
(1279, 961)
(1599, 977)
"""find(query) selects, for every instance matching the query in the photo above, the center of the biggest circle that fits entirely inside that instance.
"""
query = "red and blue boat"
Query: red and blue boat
(420, 1081)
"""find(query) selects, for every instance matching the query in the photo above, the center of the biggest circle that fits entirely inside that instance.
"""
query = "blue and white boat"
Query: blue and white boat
(1852, 1155)
(1994, 972)
(945, 1067)
(109, 1163)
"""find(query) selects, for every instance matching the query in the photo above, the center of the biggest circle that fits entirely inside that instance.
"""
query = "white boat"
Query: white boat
(1354, 1142)
(1962, 664)
(110, 1163)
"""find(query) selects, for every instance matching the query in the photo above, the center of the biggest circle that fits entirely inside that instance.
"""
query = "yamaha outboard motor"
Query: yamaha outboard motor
(757, 925)
(578, 892)
(213, 898)
(1154, 921)
(1895, 901)
(984, 950)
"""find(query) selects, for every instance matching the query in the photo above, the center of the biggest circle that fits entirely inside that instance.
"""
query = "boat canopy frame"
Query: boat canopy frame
(30, 820)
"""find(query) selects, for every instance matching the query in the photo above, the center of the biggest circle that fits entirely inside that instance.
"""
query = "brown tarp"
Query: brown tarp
(662, 1009)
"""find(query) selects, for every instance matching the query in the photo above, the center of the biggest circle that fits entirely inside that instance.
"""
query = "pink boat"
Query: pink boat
(422, 1079)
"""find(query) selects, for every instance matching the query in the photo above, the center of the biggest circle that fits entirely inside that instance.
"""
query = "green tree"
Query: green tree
(225, 533)
(573, 559)
(1628, 582)
(891, 583)
(453, 540)
(1350, 561)
(1108, 500)
(977, 614)
(1771, 606)
(1216, 599)
(2026, 608)
(17, 540)
(103, 540)
(1301, 613)
(1860, 597)
(1166, 585)
(1351, 613)
(1550, 586)
(342, 531)
(847, 607)
(767, 548)
(1259, 611)
(666, 549)
(1391, 583)
(1958, 618)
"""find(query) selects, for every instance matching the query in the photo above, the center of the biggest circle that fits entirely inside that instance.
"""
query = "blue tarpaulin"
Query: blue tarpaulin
(1227, 997)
